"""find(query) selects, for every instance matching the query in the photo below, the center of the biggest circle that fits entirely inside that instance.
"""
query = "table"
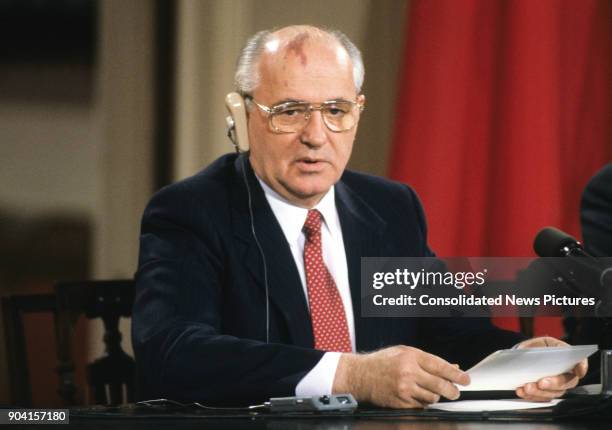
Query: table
(584, 412)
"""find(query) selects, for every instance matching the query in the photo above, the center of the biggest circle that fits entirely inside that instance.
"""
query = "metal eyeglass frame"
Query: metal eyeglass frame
(310, 107)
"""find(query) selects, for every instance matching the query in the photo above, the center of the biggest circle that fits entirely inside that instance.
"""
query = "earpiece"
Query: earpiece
(237, 121)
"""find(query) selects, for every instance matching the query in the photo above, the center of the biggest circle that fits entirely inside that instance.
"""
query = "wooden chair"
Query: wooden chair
(110, 377)
(14, 308)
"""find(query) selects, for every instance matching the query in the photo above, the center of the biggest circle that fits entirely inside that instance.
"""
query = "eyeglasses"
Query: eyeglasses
(291, 117)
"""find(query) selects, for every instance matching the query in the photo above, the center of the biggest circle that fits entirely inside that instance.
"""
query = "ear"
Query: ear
(361, 99)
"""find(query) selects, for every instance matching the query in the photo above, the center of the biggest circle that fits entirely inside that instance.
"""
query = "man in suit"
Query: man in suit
(248, 279)
(596, 223)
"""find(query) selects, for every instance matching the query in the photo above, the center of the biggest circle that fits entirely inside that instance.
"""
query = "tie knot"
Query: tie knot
(312, 225)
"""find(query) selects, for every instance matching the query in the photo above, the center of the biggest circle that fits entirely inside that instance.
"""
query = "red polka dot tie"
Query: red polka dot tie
(326, 309)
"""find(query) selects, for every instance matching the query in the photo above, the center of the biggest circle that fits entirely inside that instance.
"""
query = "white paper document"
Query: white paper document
(491, 405)
(508, 369)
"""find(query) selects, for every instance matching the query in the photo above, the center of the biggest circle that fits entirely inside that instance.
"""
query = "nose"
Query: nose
(314, 132)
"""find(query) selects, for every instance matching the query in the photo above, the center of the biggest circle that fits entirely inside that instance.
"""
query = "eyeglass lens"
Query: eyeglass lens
(338, 116)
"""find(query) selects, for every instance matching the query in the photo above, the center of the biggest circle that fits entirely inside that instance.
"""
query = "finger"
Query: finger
(436, 366)
(413, 391)
(581, 368)
(558, 382)
(414, 404)
(437, 385)
(532, 392)
(552, 341)
(407, 403)
(423, 395)
(532, 398)
(532, 389)
(520, 392)
(544, 341)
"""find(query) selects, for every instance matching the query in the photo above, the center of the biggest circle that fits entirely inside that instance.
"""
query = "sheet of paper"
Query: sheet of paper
(509, 369)
(491, 405)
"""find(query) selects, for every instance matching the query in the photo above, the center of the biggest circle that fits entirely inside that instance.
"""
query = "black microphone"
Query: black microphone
(552, 242)
(591, 276)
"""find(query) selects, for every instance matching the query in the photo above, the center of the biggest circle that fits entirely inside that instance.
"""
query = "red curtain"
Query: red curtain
(504, 113)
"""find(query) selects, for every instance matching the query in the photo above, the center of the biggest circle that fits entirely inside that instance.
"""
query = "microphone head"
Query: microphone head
(550, 242)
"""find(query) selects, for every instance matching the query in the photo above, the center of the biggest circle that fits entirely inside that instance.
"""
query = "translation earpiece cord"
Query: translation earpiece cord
(169, 402)
(259, 247)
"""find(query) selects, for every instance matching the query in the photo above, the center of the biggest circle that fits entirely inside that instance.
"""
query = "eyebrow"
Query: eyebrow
(288, 100)
(283, 101)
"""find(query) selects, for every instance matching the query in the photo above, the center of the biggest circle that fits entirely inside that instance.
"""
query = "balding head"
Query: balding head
(292, 41)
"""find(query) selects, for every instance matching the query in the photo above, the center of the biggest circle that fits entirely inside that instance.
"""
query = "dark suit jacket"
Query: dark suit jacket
(199, 321)
(596, 213)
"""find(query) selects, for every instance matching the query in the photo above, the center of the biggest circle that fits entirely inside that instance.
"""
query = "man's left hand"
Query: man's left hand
(550, 387)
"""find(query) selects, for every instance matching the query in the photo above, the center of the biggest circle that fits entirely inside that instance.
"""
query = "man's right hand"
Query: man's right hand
(398, 377)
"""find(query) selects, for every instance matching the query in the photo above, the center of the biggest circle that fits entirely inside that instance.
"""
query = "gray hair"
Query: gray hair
(246, 77)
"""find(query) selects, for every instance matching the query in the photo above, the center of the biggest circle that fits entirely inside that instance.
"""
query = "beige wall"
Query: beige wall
(48, 156)
(124, 106)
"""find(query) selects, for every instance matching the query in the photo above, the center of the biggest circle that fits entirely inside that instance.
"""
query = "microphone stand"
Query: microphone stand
(602, 321)
(604, 308)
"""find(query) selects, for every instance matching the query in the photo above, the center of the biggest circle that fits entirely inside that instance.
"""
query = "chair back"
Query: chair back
(110, 377)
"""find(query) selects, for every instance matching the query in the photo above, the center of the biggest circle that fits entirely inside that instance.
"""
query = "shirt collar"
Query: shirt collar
(292, 218)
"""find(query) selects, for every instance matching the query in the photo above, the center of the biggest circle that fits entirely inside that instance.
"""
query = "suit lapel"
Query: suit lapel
(362, 232)
(284, 284)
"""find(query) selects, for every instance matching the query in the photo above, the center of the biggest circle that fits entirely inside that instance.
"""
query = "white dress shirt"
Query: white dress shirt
(291, 218)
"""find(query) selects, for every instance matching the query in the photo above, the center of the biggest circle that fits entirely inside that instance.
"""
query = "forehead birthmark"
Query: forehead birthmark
(296, 46)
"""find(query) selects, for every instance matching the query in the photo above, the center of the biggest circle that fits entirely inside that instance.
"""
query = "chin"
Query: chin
(312, 190)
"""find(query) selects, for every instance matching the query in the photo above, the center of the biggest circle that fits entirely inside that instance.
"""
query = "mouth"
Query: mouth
(310, 165)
